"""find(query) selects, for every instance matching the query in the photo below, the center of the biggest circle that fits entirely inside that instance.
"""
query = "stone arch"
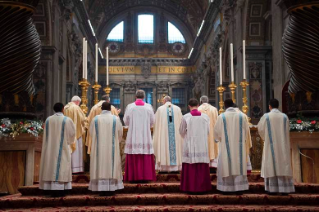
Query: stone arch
(108, 26)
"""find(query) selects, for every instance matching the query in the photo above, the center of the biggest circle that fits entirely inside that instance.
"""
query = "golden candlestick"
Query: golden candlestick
(221, 90)
(96, 88)
(232, 88)
(84, 87)
(244, 84)
(107, 90)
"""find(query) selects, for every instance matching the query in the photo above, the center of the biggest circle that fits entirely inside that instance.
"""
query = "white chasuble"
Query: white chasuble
(195, 130)
(139, 119)
(105, 164)
(96, 110)
(55, 166)
(75, 113)
(232, 131)
(212, 113)
(79, 119)
(167, 140)
(273, 128)
(248, 142)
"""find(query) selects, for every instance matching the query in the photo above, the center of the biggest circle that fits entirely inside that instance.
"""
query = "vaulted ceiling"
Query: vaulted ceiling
(190, 12)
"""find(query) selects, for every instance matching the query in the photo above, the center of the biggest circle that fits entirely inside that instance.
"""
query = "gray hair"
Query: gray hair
(106, 98)
(76, 99)
(140, 94)
(204, 99)
(167, 99)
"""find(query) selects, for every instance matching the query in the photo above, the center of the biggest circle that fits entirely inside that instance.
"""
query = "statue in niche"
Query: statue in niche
(199, 83)
(199, 87)
(68, 6)
(146, 68)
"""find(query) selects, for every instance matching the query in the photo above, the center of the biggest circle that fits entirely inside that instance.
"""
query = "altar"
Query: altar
(19, 161)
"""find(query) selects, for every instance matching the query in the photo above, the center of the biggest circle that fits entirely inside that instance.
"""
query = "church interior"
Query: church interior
(250, 51)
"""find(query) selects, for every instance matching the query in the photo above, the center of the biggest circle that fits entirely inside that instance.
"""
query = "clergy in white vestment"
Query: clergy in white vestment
(232, 131)
(74, 112)
(167, 140)
(139, 163)
(248, 142)
(97, 110)
(55, 166)
(212, 113)
(105, 159)
(194, 128)
(273, 128)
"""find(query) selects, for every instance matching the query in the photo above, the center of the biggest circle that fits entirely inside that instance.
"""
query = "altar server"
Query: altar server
(74, 112)
(194, 128)
(167, 140)
(273, 128)
(212, 113)
(232, 131)
(55, 167)
(105, 164)
(139, 163)
(96, 110)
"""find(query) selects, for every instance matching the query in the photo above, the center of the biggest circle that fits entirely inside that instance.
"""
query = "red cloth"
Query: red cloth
(139, 167)
(139, 102)
(195, 112)
(195, 177)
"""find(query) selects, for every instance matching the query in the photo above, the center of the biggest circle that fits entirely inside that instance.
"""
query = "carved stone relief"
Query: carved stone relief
(162, 87)
(67, 8)
(129, 86)
(146, 68)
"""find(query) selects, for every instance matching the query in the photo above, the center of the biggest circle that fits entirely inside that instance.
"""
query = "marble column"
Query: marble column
(278, 60)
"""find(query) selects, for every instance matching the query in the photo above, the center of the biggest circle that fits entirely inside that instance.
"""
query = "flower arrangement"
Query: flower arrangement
(12, 129)
(304, 124)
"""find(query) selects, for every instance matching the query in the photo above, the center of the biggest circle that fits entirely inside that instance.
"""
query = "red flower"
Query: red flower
(313, 122)
(31, 129)
(21, 123)
(3, 126)
(299, 121)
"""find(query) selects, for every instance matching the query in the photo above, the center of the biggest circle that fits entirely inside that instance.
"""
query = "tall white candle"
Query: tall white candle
(232, 62)
(86, 59)
(96, 62)
(83, 59)
(220, 66)
(107, 65)
(244, 59)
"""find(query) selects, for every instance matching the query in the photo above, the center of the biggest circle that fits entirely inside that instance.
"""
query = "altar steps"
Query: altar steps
(19, 201)
(180, 208)
(163, 187)
(163, 195)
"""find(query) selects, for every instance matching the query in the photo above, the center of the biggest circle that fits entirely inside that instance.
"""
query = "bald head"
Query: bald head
(106, 98)
(204, 99)
(167, 99)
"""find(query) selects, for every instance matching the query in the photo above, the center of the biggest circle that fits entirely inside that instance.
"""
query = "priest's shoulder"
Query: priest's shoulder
(187, 115)
(55, 116)
(149, 106)
(205, 116)
(176, 107)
